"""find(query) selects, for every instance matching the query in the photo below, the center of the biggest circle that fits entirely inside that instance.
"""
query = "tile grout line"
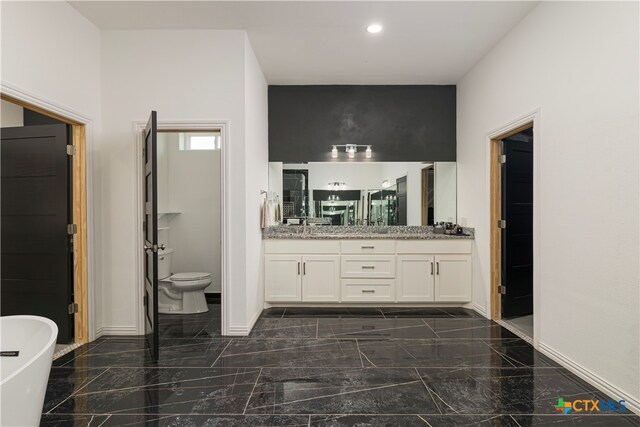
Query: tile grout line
(359, 353)
(223, 350)
(428, 391)
(251, 394)
(426, 422)
(105, 420)
(516, 421)
(76, 391)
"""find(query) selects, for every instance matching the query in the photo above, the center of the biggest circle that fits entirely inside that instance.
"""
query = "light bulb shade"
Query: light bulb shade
(334, 152)
(368, 152)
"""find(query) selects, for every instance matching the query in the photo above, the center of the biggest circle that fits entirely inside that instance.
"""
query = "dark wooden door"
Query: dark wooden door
(37, 255)
(517, 235)
(150, 227)
(401, 186)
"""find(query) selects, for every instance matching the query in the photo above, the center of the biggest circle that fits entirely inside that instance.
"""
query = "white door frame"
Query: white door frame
(26, 97)
(183, 126)
(533, 116)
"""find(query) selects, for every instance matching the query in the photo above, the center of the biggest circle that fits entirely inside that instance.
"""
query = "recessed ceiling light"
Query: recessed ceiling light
(374, 28)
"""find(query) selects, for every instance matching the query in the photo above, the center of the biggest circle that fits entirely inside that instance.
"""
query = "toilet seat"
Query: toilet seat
(183, 277)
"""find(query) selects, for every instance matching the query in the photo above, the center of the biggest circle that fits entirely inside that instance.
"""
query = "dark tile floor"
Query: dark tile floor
(320, 367)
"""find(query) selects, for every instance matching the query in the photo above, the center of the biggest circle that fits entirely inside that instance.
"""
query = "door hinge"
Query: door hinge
(502, 223)
(73, 308)
(72, 229)
(71, 150)
(502, 289)
(502, 158)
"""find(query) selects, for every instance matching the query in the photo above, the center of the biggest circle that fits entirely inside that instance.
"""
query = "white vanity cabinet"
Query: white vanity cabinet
(363, 271)
(310, 276)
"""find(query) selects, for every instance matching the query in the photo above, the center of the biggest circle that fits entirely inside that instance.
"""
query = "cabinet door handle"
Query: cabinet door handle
(438, 267)
(367, 247)
(304, 268)
(368, 266)
(431, 267)
(298, 268)
(368, 291)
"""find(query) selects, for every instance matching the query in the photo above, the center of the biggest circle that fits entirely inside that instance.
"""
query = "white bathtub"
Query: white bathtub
(23, 379)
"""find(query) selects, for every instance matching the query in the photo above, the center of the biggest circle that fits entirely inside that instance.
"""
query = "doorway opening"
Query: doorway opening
(44, 219)
(190, 229)
(512, 225)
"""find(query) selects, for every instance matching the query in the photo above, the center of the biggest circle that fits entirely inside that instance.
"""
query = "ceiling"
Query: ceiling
(326, 42)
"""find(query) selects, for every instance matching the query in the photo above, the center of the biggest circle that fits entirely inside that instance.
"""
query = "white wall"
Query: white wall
(11, 115)
(61, 64)
(205, 79)
(578, 63)
(257, 177)
(190, 183)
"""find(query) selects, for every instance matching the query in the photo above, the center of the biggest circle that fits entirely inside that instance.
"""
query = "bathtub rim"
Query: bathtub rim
(51, 342)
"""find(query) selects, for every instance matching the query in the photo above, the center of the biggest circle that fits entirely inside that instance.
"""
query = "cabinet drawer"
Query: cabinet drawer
(368, 266)
(300, 246)
(368, 246)
(368, 290)
(460, 246)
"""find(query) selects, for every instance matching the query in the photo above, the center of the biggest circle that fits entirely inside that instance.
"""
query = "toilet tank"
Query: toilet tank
(163, 236)
(164, 263)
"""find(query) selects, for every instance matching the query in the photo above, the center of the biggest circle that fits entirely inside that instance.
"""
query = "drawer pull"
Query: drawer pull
(368, 291)
(368, 247)
(368, 266)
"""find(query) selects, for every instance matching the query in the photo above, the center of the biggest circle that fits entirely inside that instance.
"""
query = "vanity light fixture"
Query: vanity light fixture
(351, 150)
(336, 185)
(374, 28)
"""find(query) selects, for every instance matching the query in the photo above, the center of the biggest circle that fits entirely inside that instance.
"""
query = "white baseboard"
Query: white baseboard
(117, 330)
(243, 331)
(481, 310)
(632, 403)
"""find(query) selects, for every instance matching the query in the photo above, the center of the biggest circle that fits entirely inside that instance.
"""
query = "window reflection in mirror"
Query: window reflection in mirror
(365, 193)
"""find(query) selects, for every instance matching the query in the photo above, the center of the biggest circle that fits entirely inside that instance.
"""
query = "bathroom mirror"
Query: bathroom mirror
(364, 193)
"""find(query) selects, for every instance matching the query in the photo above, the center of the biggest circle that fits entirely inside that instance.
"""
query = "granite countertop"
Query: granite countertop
(351, 232)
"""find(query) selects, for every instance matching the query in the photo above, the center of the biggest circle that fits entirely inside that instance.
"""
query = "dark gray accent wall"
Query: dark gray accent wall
(401, 123)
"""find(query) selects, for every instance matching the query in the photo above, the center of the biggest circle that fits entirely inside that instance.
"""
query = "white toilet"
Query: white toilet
(180, 293)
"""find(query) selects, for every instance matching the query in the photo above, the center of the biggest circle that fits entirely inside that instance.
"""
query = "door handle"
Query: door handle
(431, 267)
(368, 266)
(368, 291)
(367, 247)
(304, 268)
(438, 267)
(298, 268)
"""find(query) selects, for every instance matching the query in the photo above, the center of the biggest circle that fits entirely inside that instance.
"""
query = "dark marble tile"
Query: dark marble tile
(577, 420)
(470, 420)
(285, 328)
(78, 351)
(164, 391)
(315, 312)
(429, 353)
(290, 352)
(207, 420)
(340, 391)
(374, 328)
(520, 353)
(212, 330)
(367, 420)
(461, 312)
(421, 312)
(504, 390)
(468, 328)
(183, 329)
(273, 312)
(134, 353)
(65, 381)
(70, 420)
